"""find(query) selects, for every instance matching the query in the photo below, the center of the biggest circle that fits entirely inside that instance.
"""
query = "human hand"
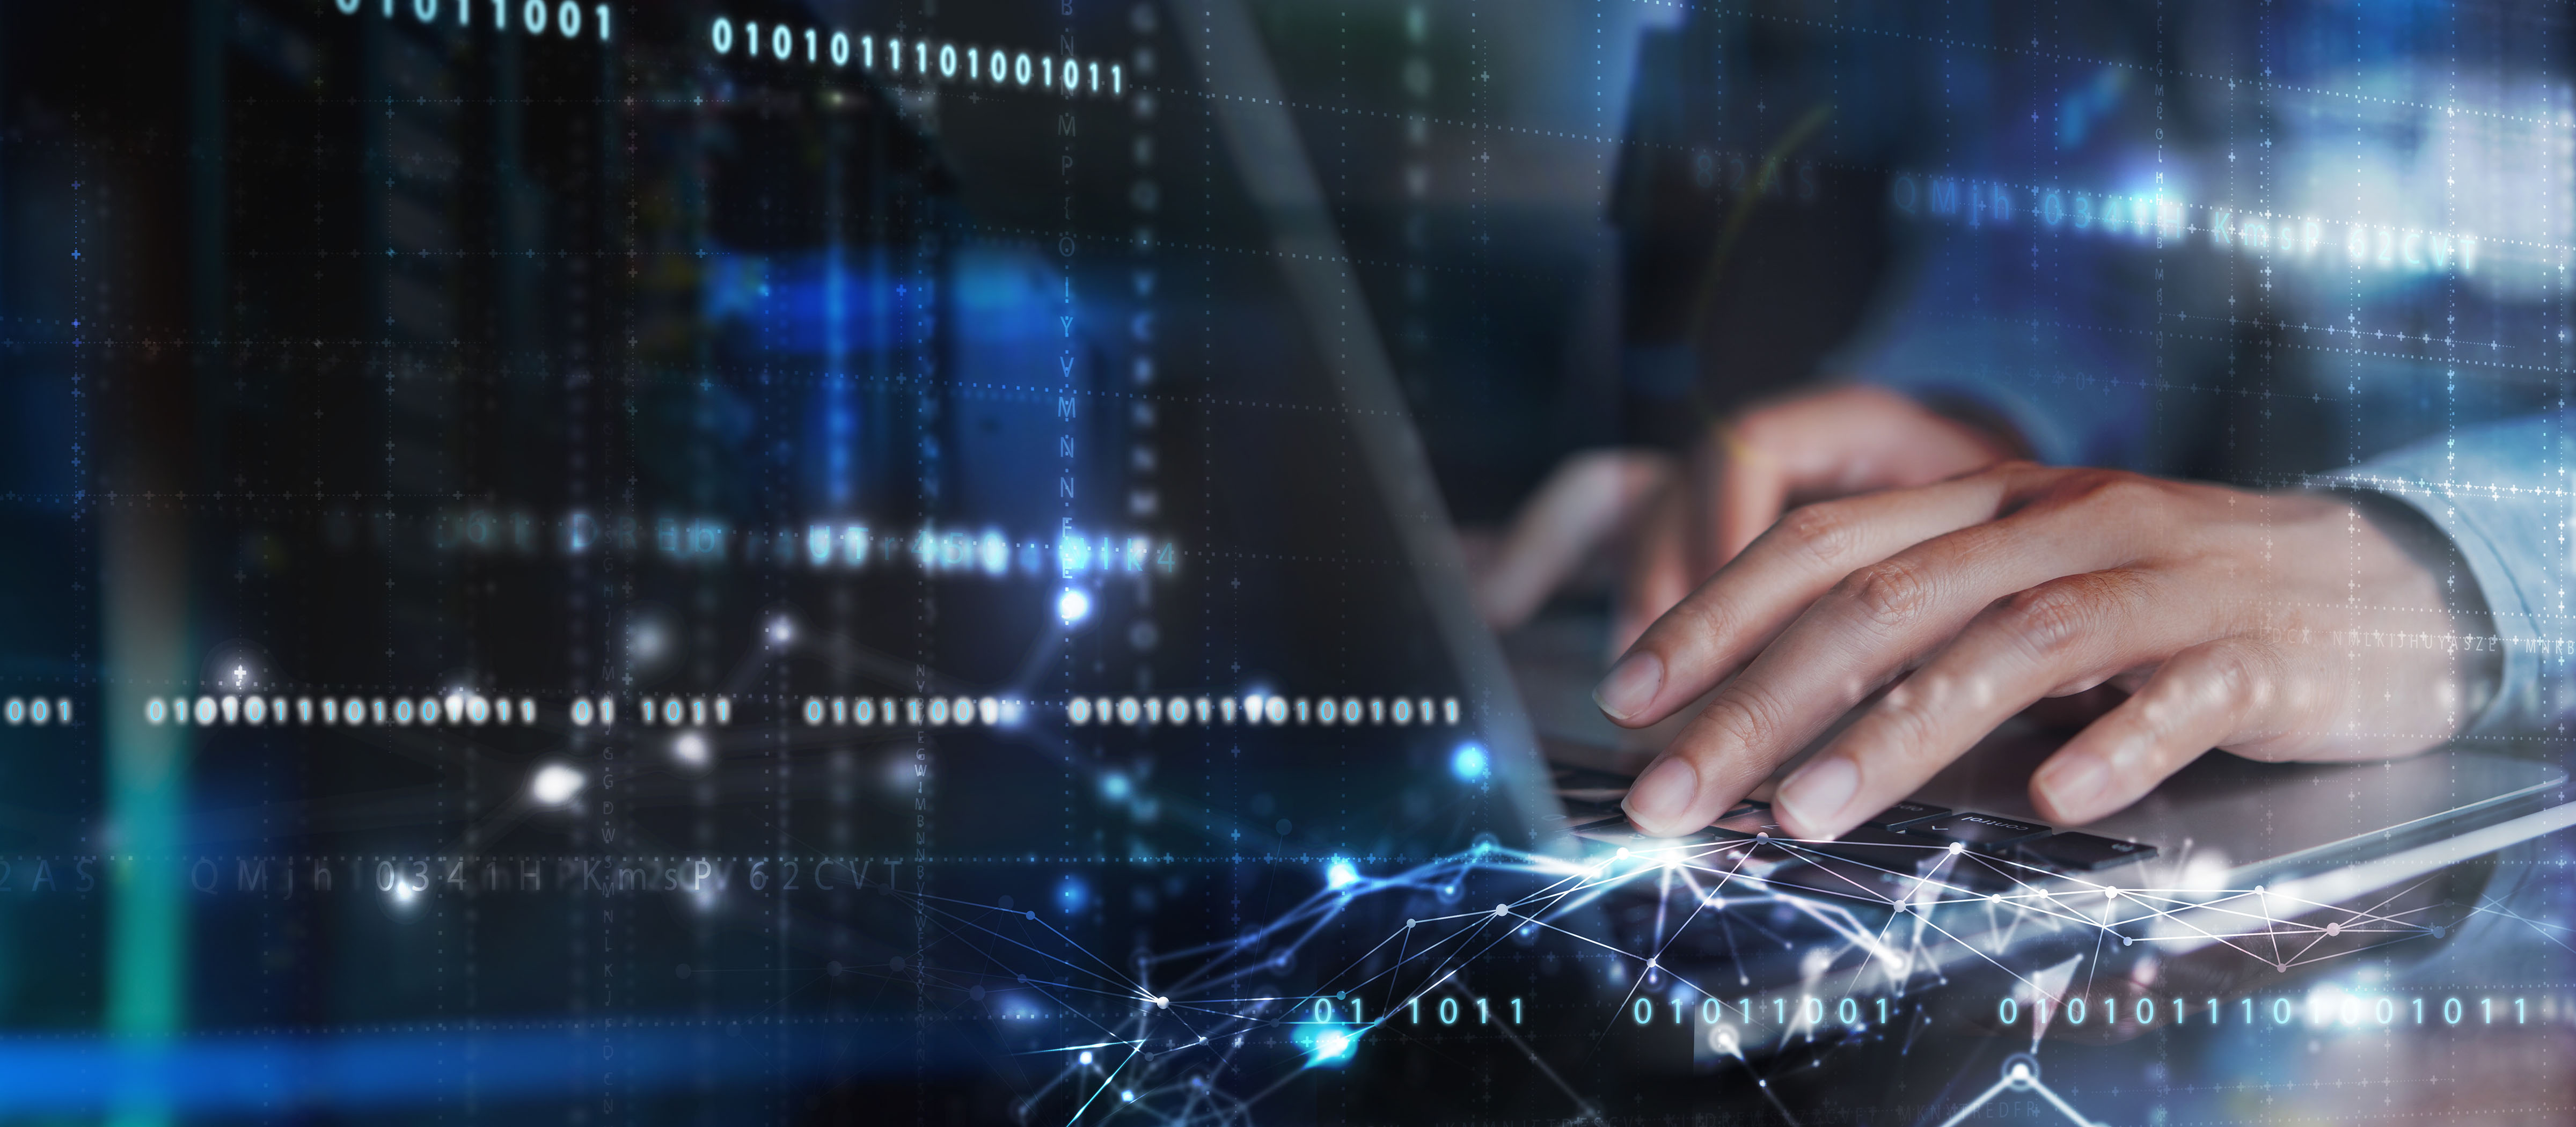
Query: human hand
(1814, 446)
(2273, 625)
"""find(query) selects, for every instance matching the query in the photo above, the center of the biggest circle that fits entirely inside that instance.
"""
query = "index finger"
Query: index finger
(1718, 628)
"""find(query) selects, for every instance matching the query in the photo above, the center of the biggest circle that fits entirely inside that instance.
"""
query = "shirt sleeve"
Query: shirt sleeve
(2500, 493)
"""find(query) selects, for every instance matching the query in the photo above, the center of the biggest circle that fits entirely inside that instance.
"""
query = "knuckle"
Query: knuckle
(1822, 533)
(2235, 680)
(1745, 715)
(2048, 621)
(2228, 677)
(1888, 594)
(2116, 490)
(1700, 620)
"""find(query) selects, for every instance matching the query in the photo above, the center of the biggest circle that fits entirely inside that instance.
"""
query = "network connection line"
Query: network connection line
(1206, 1002)
(2020, 1075)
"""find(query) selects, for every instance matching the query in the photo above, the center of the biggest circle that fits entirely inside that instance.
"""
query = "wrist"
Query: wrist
(2445, 581)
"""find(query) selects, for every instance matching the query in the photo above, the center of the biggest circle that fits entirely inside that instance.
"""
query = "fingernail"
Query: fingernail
(2074, 787)
(1631, 685)
(1816, 795)
(1663, 794)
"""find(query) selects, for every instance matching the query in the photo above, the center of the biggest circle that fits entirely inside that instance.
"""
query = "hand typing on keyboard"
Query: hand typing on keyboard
(2273, 625)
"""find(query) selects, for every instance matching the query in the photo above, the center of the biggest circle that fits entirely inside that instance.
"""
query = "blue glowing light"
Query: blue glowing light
(1340, 874)
(1115, 786)
(1470, 762)
(1332, 1045)
(1070, 894)
(1073, 606)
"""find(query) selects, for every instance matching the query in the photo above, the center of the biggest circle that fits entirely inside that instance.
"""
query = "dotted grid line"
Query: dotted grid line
(1016, 392)
(1472, 125)
(684, 379)
(2469, 362)
(993, 233)
(1034, 237)
(890, 859)
(2060, 56)
(2113, 230)
(474, 1025)
(791, 707)
(1133, 860)
(177, 505)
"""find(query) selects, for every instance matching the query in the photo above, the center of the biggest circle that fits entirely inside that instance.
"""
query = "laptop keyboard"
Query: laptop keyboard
(1899, 839)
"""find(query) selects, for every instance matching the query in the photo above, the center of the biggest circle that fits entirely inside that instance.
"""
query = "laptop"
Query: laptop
(2222, 842)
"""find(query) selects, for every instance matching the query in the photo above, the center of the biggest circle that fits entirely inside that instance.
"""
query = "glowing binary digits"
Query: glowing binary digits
(918, 59)
(537, 18)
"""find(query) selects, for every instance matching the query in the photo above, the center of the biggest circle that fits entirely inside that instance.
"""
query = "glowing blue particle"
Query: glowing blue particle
(1115, 786)
(1340, 873)
(1070, 894)
(1470, 762)
(1073, 606)
(1332, 1045)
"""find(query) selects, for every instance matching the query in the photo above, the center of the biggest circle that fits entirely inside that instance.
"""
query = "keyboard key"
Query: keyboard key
(1884, 849)
(1896, 817)
(1975, 874)
(1833, 876)
(1977, 831)
(2081, 852)
(1750, 820)
(1615, 829)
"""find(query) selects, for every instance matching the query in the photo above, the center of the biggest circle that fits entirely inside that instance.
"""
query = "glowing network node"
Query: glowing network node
(1073, 606)
(782, 631)
(1340, 874)
(1332, 1045)
(690, 749)
(554, 784)
(1470, 762)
